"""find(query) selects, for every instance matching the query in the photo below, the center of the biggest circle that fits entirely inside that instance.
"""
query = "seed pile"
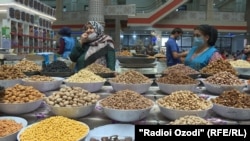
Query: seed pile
(56, 66)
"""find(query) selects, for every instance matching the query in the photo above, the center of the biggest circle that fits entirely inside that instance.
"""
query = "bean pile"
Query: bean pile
(20, 94)
(39, 78)
(72, 97)
(98, 68)
(131, 77)
(218, 66)
(175, 78)
(233, 98)
(84, 76)
(8, 127)
(190, 120)
(10, 72)
(224, 78)
(56, 128)
(180, 69)
(56, 66)
(184, 100)
(28, 66)
(126, 100)
(240, 64)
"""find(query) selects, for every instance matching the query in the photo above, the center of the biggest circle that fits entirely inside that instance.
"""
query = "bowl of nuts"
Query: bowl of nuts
(232, 104)
(182, 103)
(223, 81)
(131, 80)
(43, 83)
(72, 102)
(172, 82)
(125, 106)
(20, 99)
(10, 82)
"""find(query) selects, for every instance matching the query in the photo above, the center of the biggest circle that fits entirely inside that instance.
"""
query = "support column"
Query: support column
(117, 33)
(96, 11)
(59, 9)
(210, 11)
(247, 18)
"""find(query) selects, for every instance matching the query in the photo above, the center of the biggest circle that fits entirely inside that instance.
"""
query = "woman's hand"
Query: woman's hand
(83, 38)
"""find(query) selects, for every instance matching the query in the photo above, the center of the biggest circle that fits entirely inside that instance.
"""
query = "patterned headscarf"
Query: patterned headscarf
(99, 29)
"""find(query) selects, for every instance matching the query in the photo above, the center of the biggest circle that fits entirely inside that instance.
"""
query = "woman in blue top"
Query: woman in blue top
(203, 50)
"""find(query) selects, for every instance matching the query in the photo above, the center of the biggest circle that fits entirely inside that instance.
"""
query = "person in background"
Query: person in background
(203, 50)
(94, 47)
(66, 42)
(246, 53)
(150, 50)
(173, 52)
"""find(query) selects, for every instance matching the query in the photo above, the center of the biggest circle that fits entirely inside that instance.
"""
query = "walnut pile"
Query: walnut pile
(131, 77)
(233, 98)
(218, 66)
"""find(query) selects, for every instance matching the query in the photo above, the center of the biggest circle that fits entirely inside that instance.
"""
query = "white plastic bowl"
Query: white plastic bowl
(174, 114)
(139, 88)
(44, 86)
(219, 89)
(169, 88)
(89, 86)
(72, 112)
(10, 83)
(125, 115)
(19, 108)
(13, 137)
(231, 112)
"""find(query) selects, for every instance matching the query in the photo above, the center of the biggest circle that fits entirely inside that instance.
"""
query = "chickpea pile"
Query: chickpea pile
(10, 72)
(20, 94)
(98, 68)
(184, 100)
(126, 100)
(175, 78)
(84, 76)
(218, 66)
(8, 127)
(56, 128)
(71, 97)
(39, 78)
(190, 120)
(28, 66)
(233, 98)
(131, 77)
(224, 78)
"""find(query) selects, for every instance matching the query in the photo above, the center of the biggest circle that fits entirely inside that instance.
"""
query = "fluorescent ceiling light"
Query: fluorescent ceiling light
(29, 10)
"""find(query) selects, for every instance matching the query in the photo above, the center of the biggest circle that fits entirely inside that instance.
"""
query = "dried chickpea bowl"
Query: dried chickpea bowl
(20, 108)
(44, 86)
(169, 88)
(139, 87)
(16, 123)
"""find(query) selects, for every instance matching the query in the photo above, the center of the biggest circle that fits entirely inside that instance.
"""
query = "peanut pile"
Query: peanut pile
(131, 77)
(233, 98)
(190, 120)
(175, 78)
(218, 66)
(39, 78)
(72, 97)
(20, 94)
(224, 78)
(184, 100)
(10, 72)
(28, 66)
(126, 100)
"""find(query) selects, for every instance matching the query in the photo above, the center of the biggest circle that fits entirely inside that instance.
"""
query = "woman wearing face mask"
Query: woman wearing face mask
(94, 47)
(203, 50)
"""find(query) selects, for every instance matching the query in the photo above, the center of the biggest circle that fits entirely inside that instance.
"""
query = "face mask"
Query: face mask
(198, 41)
(92, 36)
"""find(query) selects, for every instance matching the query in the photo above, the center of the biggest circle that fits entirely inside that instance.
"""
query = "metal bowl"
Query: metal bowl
(44, 86)
(242, 71)
(9, 83)
(89, 86)
(139, 88)
(231, 112)
(13, 136)
(72, 112)
(125, 115)
(174, 114)
(169, 88)
(20, 108)
(219, 89)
